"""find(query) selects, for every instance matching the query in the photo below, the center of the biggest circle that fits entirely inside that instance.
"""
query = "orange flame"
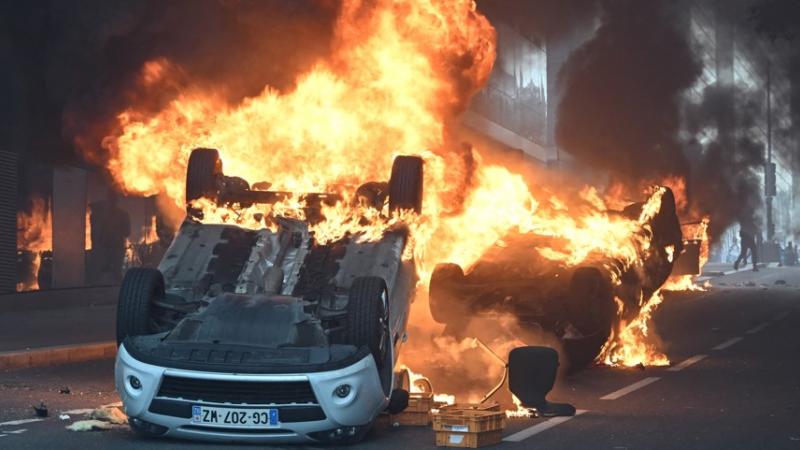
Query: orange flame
(399, 75)
(34, 234)
(631, 344)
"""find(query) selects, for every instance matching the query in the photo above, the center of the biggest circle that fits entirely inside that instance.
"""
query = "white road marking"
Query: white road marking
(20, 431)
(687, 363)
(78, 411)
(627, 390)
(780, 316)
(758, 328)
(727, 343)
(538, 428)
(19, 422)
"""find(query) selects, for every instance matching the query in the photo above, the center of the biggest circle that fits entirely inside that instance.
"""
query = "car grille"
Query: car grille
(226, 391)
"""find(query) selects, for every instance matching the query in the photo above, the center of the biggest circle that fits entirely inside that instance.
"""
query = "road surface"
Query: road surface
(734, 384)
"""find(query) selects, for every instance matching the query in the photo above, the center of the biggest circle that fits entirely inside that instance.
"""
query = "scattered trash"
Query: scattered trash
(103, 418)
(780, 282)
(41, 410)
(64, 390)
(112, 414)
(90, 425)
(64, 416)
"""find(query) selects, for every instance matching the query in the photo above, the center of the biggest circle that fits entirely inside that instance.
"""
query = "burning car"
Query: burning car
(581, 304)
(265, 335)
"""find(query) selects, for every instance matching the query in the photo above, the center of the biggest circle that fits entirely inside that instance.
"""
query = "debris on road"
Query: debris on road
(64, 416)
(64, 390)
(41, 410)
(105, 417)
(90, 425)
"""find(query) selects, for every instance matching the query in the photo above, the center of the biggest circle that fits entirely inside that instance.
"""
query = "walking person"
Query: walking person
(747, 242)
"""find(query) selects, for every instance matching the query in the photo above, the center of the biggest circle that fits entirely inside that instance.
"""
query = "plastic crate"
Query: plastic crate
(494, 406)
(419, 402)
(469, 420)
(468, 440)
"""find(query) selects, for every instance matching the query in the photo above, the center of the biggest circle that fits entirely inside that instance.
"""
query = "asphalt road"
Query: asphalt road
(740, 388)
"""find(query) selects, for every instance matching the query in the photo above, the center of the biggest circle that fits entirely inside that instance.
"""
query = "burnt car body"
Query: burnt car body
(265, 335)
(575, 303)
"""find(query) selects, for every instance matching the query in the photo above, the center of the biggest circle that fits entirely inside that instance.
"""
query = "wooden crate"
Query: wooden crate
(469, 420)
(468, 440)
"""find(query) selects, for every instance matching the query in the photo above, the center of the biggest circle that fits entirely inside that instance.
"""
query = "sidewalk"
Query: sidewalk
(57, 326)
(715, 270)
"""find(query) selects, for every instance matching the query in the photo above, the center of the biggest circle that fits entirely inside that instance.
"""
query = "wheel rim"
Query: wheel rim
(384, 327)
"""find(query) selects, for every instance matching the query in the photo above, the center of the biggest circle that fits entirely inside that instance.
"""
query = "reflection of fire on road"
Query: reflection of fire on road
(398, 77)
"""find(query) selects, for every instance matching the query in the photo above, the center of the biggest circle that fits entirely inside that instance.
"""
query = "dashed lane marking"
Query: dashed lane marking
(727, 343)
(628, 389)
(687, 363)
(780, 316)
(18, 422)
(758, 328)
(538, 428)
(20, 431)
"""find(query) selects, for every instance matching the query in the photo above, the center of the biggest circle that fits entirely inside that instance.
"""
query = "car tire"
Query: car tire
(444, 305)
(202, 174)
(368, 317)
(138, 290)
(405, 184)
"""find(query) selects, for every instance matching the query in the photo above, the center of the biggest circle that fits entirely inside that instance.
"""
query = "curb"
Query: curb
(60, 354)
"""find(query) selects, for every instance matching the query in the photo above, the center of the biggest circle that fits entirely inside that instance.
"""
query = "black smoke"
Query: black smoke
(627, 109)
(620, 109)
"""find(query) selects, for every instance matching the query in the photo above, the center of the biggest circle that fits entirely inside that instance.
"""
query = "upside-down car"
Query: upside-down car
(267, 335)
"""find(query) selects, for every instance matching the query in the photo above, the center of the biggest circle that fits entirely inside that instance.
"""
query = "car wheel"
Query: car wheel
(444, 305)
(138, 290)
(405, 185)
(202, 174)
(368, 317)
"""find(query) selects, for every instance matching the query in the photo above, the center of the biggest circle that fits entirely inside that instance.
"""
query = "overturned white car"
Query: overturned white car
(266, 335)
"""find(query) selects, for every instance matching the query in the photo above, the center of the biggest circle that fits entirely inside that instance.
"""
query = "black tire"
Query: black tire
(202, 174)
(139, 288)
(368, 317)
(405, 185)
(444, 305)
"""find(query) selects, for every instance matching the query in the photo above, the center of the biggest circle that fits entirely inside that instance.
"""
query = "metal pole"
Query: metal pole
(768, 167)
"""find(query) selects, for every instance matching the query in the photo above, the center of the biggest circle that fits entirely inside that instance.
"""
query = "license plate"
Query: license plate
(235, 417)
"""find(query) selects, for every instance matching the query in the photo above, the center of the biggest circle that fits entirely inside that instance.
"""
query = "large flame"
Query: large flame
(398, 76)
(35, 235)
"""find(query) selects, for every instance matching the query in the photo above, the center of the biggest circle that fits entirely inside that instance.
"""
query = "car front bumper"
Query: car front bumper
(304, 422)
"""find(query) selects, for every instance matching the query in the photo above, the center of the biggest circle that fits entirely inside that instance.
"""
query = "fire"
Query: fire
(398, 76)
(418, 383)
(698, 232)
(35, 235)
(520, 411)
(631, 344)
